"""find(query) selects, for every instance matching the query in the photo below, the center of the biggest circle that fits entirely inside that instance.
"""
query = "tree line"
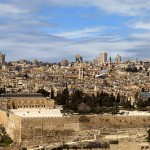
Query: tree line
(80, 102)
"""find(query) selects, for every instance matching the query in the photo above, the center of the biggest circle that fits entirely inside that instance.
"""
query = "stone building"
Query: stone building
(2, 59)
(14, 101)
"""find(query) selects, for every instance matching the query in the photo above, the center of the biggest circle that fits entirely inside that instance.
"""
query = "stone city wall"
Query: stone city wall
(47, 130)
(113, 121)
(37, 131)
(12, 124)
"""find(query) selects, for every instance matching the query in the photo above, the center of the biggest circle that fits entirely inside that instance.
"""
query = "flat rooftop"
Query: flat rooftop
(21, 95)
(36, 112)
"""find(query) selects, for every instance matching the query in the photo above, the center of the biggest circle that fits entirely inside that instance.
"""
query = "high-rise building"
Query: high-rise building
(78, 58)
(2, 58)
(103, 57)
(118, 59)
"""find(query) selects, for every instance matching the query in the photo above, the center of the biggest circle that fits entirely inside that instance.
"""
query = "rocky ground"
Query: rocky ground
(129, 139)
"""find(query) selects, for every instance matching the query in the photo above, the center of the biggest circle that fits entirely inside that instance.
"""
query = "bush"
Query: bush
(6, 141)
(148, 137)
(61, 147)
(84, 119)
(23, 148)
(113, 142)
(97, 144)
(94, 145)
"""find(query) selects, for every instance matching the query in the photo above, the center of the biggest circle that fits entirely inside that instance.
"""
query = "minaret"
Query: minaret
(96, 89)
(80, 71)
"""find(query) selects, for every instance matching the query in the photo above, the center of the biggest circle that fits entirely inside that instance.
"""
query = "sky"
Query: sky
(52, 30)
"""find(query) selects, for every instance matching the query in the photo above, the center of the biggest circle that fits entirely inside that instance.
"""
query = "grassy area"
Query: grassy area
(6, 142)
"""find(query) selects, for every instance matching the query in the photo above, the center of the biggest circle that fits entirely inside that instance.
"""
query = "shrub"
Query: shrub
(84, 119)
(113, 142)
(23, 148)
(6, 141)
(148, 137)
(97, 144)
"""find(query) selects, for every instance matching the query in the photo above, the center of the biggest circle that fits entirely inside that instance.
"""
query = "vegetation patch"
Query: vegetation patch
(114, 142)
(84, 119)
(148, 136)
(6, 141)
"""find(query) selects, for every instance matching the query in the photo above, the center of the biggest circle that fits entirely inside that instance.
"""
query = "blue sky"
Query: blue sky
(52, 30)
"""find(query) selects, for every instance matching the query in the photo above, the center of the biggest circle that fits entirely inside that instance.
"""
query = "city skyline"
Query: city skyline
(50, 30)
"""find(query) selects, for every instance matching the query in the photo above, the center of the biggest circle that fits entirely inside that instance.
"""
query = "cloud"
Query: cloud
(87, 32)
(123, 7)
(10, 9)
(141, 36)
(29, 29)
(53, 48)
(141, 25)
(120, 7)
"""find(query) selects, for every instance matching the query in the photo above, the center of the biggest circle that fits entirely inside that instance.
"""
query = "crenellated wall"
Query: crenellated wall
(101, 121)
(37, 131)
(51, 129)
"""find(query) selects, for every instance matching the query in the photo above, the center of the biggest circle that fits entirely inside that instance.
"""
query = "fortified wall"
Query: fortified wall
(88, 122)
(47, 130)
(44, 130)
(116, 121)
(37, 129)
(12, 124)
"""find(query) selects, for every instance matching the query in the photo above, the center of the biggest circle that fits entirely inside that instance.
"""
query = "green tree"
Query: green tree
(127, 105)
(118, 98)
(2, 90)
(107, 102)
(63, 98)
(143, 90)
(75, 99)
(84, 108)
(52, 93)
(43, 92)
(18, 68)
